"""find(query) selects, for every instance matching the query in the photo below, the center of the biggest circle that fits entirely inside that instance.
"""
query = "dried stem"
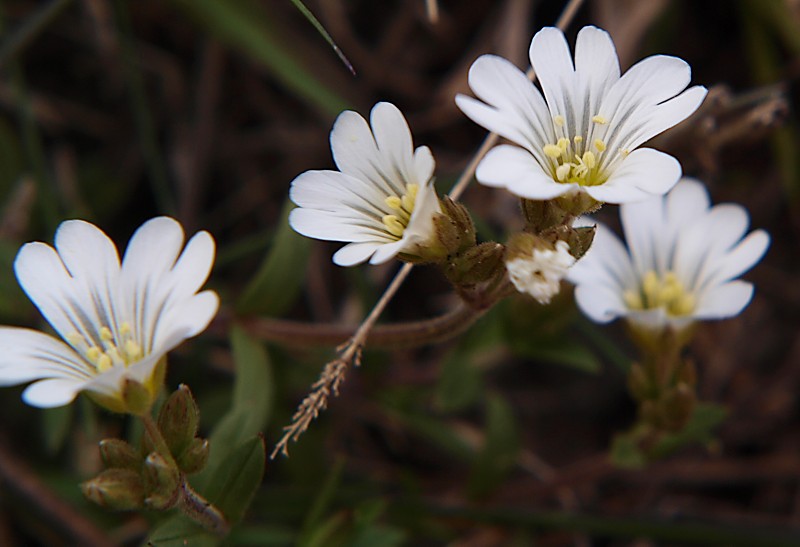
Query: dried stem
(391, 336)
(350, 352)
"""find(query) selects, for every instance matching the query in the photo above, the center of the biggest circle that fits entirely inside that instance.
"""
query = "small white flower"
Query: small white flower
(540, 273)
(584, 134)
(117, 321)
(680, 266)
(382, 198)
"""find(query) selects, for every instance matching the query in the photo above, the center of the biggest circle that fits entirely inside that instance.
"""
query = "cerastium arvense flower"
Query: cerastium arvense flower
(584, 134)
(116, 320)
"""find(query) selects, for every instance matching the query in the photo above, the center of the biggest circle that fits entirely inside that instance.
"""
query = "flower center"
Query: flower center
(113, 349)
(578, 159)
(665, 292)
(397, 222)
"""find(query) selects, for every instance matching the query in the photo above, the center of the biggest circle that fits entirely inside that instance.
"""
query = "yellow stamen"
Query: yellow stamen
(563, 144)
(75, 339)
(393, 224)
(105, 334)
(410, 198)
(562, 171)
(394, 202)
(93, 354)
(600, 145)
(552, 151)
(665, 292)
(132, 350)
(559, 120)
(104, 363)
(599, 119)
(633, 300)
(125, 329)
(578, 139)
(589, 159)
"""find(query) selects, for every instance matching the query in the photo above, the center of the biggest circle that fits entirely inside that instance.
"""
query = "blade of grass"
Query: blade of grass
(324, 33)
(17, 41)
(246, 27)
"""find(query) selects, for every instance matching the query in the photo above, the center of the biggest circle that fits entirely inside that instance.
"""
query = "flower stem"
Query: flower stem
(193, 505)
(393, 336)
(158, 439)
(202, 511)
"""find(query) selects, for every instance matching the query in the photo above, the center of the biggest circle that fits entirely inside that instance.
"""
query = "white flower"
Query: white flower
(117, 321)
(680, 266)
(382, 198)
(540, 274)
(584, 138)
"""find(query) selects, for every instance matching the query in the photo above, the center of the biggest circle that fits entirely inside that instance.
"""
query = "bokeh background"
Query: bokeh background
(205, 110)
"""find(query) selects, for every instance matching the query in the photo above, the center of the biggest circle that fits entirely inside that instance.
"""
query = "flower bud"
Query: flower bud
(543, 215)
(194, 458)
(161, 480)
(117, 454)
(639, 383)
(477, 264)
(453, 227)
(118, 489)
(677, 407)
(178, 420)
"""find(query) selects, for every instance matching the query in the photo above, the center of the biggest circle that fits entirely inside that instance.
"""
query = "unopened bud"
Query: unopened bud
(194, 457)
(639, 384)
(677, 407)
(543, 215)
(117, 454)
(118, 489)
(161, 481)
(454, 229)
(477, 264)
(178, 420)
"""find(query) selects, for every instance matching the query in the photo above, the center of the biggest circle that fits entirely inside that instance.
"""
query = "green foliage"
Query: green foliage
(498, 454)
(282, 274)
(245, 25)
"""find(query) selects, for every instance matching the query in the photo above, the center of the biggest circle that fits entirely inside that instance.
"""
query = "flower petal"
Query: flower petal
(27, 355)
(644, 173)
(513, 168)
(551, 59)
(726, 300)
(599, 302)
(354, 253)
(52, 393)
(607, 262)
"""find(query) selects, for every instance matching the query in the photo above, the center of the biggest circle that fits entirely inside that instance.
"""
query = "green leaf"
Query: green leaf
(705, 418)
(625, 451)
(322, 503)
(281, 276)
(461, 381)
(231, 490)
(500, 447)
(56, 424)
(253, 394)
(246, 26)
(179, 531)
(543, 333)
(235, 483)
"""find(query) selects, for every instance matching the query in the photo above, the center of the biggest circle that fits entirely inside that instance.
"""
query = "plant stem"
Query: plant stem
(202, 511)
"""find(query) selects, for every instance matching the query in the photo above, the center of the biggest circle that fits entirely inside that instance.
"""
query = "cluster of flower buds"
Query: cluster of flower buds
(152, 476)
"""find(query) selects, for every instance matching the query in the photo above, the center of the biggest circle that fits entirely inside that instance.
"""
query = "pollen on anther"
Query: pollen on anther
(562, 171)
(578, 139)
(563, 144)
(589, 159)
(393, 202)
(599, 119)
(552, 151)
(600, 145)
(394, 225)
(559, 120)
(105, 334)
